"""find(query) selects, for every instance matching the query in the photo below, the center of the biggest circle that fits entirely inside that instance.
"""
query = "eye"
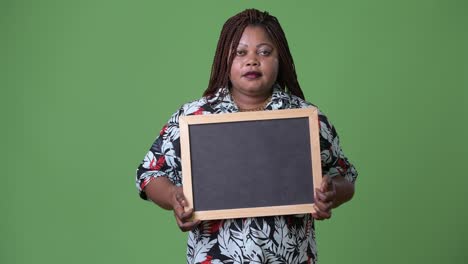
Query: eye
(240, 52)
(264, 52)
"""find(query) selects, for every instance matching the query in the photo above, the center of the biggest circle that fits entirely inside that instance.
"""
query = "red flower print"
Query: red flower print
(163, 130)
(215, 226)
(157, 165)
(199, 111)
(144, 183)
(160, 163)
(343, 165)
(152, 165)
(207, 260)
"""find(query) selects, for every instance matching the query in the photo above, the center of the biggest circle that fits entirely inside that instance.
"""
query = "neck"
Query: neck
(247, 102)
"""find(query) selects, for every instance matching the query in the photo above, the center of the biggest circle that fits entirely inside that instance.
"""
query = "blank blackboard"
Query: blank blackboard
(250, 164)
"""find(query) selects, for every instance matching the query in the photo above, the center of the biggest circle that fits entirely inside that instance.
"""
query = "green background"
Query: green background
(87, 85)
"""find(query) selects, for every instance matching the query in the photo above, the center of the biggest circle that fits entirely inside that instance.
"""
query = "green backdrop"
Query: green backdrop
(87, 85)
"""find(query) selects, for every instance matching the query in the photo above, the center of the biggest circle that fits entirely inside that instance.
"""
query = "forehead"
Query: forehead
(254, 35)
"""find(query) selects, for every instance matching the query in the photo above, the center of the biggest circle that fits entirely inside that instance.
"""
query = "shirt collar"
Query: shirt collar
(279, 99)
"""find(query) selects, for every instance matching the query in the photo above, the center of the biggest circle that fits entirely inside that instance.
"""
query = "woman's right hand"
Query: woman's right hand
(182, 216)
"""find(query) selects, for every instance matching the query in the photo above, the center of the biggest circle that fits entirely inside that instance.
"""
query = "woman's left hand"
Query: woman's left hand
(324, 199)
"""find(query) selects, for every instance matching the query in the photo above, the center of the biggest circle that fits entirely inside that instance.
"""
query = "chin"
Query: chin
(256, 88)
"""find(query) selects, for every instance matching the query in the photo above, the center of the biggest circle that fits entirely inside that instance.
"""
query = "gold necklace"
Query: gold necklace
(259, 108)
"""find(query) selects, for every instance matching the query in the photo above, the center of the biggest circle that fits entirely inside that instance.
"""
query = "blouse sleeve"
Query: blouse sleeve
(163, 158)
(334, 162)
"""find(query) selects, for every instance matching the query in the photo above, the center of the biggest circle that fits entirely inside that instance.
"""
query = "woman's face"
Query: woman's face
(255, 67)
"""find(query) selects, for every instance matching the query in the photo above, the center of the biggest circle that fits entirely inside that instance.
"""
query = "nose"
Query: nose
(252, 61)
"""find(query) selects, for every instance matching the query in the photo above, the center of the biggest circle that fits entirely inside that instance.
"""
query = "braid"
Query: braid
(229, 39)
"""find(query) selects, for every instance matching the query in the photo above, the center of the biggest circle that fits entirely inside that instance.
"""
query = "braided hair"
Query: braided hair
(229, 39)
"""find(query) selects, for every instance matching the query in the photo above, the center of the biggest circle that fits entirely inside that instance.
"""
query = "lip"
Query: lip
(252, 75)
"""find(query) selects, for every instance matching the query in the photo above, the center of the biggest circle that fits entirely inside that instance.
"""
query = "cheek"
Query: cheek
(235, 69)
(274, 66)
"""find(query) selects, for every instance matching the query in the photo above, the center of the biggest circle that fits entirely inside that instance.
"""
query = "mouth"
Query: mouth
(252, 75)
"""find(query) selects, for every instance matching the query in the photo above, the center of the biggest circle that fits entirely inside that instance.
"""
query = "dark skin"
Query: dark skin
(170, 197)
(333, 192)
(256, 52)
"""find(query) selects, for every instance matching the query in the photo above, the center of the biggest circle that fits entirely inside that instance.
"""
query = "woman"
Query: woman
(253, 70)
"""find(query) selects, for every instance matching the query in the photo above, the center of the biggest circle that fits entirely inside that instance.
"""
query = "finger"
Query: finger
(324, 197)
(327, 196)
(188, 225)
(315, 216)
(180, 197)
(319, 215)
(317, 193)
(180, 224)
(325, 215)
(180, 204)
(330, 195)
(322, 214)
(181, 213)
(186, 215)
(326, 182)
(324, 206)
(178, 210)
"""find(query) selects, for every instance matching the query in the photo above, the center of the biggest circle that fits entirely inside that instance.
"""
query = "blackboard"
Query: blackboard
(250, 164)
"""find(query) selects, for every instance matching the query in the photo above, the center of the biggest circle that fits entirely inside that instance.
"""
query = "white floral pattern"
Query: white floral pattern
(278, 239)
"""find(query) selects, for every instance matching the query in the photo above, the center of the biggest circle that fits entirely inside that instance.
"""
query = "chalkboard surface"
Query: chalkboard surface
(249, 164)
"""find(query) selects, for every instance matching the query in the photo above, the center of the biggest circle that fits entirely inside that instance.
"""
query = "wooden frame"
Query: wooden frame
(309, 114)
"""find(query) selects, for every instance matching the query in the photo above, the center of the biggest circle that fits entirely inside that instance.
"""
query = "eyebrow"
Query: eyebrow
(258, 45)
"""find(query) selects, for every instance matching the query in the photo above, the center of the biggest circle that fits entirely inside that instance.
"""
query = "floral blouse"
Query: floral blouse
(274, 239)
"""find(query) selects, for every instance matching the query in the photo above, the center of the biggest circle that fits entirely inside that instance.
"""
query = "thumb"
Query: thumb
(180, 197)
